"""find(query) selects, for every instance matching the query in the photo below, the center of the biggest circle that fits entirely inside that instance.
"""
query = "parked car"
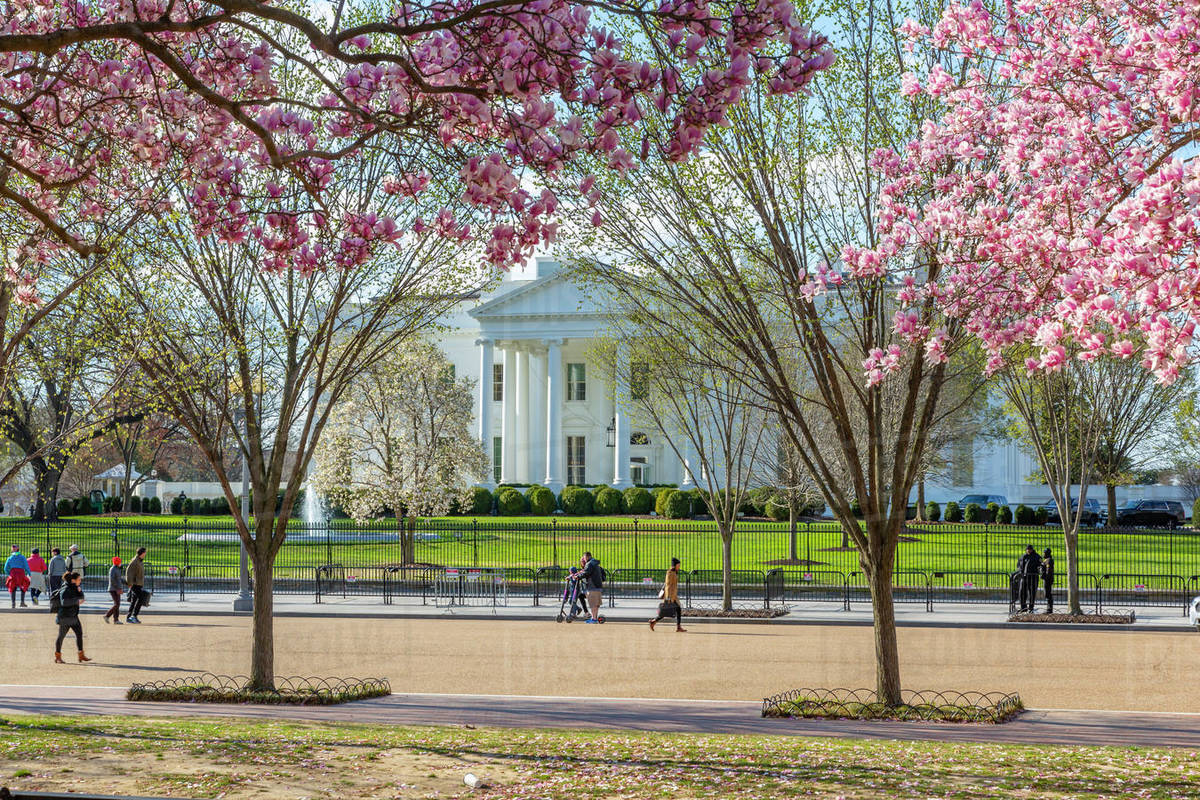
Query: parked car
(1151, 513)
(982, 500)
(1091, 511)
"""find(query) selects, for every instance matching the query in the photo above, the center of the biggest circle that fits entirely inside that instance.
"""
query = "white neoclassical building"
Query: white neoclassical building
(543, 408)
(548, 415)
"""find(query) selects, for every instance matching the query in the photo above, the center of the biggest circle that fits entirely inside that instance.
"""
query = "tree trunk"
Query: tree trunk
(1111, 491)
(921, 500)
(887, 653)
(45, 506)
(408, 541)
(1071, 545)
(262, 655)
(726, 569)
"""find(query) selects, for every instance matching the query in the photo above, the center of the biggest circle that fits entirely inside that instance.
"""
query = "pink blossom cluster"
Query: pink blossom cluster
(479, 98)
(1056, 199)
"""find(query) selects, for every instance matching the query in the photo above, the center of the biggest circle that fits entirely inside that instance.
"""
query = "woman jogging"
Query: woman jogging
(670, 596)
(68, 616)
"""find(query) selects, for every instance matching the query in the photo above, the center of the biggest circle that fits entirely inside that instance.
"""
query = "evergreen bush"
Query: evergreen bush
(699, 505)
(65, 508)
(1004, 516)
(856, 508)
(660, 500)
(678, 505)
(953, 512)
(933, 512)
(638, 501)
(1024, 515)
(510, 502)
(993, 509)
(83, 506)
(1195, 514)
(481, 501)
(608, 501)
(189, 506)
(135, 504)
(777, 508)
(1040, 515)
(576, 501)
(973, 513)
(541, 501)
(155, 505)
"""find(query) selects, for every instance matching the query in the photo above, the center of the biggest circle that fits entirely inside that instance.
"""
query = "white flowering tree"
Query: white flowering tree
(400, 439)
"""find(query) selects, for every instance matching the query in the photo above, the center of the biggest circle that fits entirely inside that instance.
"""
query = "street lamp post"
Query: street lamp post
(244, 600)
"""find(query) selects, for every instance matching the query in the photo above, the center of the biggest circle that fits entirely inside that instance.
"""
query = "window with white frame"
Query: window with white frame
(576, 382)
(576, 458)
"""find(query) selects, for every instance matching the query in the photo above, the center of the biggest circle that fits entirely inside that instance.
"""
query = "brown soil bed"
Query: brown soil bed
(1116, 618)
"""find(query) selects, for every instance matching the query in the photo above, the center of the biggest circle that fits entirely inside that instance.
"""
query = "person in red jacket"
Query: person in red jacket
(37, 575)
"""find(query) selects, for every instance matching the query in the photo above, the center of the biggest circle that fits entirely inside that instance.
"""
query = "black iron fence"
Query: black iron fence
(771, 561)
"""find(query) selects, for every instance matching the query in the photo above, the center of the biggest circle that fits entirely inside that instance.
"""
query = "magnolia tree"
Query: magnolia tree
(400, 440)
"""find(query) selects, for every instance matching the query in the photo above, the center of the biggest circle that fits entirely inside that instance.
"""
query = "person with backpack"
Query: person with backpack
(670, 599)
(55, 571)
(16, 568)
(69, 599)
(77, 561)
(593, 573)
(135, 576)
(37, 575)
(116, 587)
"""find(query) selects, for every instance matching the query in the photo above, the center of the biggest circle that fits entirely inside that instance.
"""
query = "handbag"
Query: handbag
(667, 608)
(662, 594)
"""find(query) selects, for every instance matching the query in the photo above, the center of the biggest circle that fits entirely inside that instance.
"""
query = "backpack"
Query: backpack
(56, 599)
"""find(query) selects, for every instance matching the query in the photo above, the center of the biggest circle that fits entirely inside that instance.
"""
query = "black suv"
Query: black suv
(1151, 513)
(1090, 515)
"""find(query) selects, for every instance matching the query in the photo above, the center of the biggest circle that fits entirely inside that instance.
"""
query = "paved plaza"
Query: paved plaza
(1052, 667)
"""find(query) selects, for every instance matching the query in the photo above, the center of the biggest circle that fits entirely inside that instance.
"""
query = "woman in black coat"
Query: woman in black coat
(70, 597)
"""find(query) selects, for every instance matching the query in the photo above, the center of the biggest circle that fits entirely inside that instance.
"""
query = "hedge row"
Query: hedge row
(993, 512)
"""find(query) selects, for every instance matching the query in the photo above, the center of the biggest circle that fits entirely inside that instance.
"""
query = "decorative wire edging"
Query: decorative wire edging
(209, 688)
(991, 707)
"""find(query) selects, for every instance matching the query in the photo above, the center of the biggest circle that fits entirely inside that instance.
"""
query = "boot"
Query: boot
(82, 657)
(58, 658)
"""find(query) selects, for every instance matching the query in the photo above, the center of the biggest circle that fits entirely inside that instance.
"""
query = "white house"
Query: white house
(552, 419)
(545, 410)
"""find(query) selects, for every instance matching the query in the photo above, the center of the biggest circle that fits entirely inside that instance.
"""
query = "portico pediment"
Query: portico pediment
(551, 297)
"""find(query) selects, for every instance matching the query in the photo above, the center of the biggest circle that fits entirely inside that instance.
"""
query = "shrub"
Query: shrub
(638, 501)
(510, 503)
(135, 504)
(576, 501)
(176, 505)
(608, 501)
(109, 504)
(204, 507)
(153, 505)
(699, 505)
(678, 505)
(481, 501)
(777, 508)
(973, 513)
(83, 505)
(189, 506)
(1040, 514)
(992, 510)
(856, 508)
(1195, 514)
(1024, 515)
(1004, 516)
(933, 512)
(541, 501)
(758, 499)
(65, 508)
(220, 505)
(953, 512)
(660, 500)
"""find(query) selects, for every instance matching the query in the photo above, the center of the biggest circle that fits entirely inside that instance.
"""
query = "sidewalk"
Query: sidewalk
(639, 610)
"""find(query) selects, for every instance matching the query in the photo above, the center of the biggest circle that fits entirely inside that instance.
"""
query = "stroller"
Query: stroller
(573, 594)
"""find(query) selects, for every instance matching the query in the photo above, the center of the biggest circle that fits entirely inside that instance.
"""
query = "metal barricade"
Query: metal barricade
(473, 587)
(746, 587)
(1123, 589)
(908, 586)
(971, 587)
(811, 586)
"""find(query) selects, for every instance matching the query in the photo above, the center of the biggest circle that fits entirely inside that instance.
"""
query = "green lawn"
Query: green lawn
(962, 553)
(235, 759)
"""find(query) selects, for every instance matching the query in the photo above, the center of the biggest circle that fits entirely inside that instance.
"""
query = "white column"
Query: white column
(621, 428)
(685, 451)
(537, 413)
(508, 472)
(521, 401)
(554, 395)
(485, 407)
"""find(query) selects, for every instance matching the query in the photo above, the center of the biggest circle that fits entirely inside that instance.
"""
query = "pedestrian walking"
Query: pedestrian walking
(1048, 579)
(670, 599)
(1030, 567)
(17, 570)
(594, 575)
(135, 577)
(69, 600)
(116, 587)
(55, 570)
(37, 575)
(77, 561)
